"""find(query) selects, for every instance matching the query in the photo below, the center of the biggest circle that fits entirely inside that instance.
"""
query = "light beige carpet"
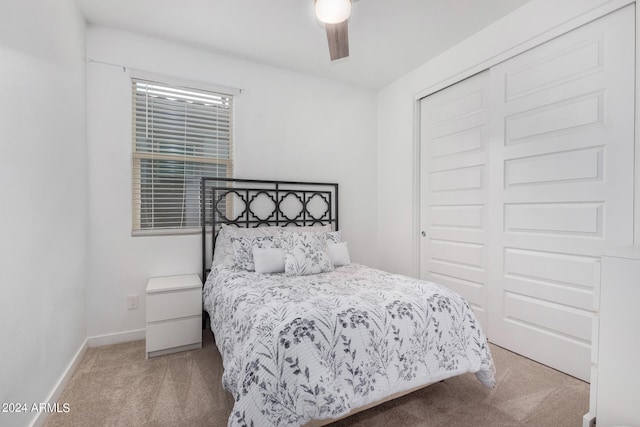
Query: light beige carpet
(116, 386)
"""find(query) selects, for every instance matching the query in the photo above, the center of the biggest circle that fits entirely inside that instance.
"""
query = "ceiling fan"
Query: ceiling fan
(335, 15)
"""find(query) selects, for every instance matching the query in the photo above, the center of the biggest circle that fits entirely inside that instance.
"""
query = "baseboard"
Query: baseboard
(589, 420)
(55, 394)
(116, 338)
(96, 341)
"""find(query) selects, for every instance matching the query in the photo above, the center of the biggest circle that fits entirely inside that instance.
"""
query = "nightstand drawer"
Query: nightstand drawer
(174, 304)
(174, 333)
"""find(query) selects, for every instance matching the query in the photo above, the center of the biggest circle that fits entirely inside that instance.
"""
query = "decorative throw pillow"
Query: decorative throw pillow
(243, 249)
(305, 253)
(268, 260)
(224, 245)
(253, 232)
(223, 248)
(243, 252)
(334, 236)
(305, 228)
(339, 254)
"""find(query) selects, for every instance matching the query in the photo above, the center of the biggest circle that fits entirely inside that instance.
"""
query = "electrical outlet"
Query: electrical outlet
(132, 301)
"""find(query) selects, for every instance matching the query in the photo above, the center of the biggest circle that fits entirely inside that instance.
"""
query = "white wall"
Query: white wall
(288, 126)
(522, 29)
(43, 193)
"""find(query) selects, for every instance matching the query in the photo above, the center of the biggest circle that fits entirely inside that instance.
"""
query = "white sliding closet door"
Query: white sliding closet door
(562, 164)
(454, 150)
(527, 174)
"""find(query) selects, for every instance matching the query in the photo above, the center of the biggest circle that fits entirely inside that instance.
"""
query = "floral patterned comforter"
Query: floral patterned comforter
(316, 347)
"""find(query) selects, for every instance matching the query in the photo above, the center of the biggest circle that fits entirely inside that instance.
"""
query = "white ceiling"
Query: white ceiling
(388, 38)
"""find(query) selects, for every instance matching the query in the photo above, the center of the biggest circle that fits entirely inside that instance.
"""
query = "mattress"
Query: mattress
(315, 347)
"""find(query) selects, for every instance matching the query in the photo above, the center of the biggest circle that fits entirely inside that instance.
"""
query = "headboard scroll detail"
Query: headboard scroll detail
(249, 203)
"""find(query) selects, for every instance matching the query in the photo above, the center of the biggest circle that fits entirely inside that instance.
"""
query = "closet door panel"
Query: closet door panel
(561, 154)
(454, 189)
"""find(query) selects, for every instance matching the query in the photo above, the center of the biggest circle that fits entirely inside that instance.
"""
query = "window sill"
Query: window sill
(168, 232)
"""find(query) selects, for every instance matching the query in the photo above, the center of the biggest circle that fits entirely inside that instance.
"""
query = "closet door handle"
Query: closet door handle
(424, 233)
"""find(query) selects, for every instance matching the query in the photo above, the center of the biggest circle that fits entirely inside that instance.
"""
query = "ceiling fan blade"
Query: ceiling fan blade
(338, 37)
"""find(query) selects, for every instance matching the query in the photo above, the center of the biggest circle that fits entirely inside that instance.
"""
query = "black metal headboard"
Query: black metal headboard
(248, 203)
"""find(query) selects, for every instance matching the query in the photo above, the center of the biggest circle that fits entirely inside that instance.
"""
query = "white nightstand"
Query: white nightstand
(614, 352)
(174, 314)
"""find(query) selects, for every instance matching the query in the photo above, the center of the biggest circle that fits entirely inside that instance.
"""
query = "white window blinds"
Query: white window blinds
(179, 135)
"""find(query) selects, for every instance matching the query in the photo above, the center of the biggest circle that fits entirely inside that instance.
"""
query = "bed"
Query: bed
(306, 335)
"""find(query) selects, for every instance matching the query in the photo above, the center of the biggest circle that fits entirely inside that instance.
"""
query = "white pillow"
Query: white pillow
(339, 254)
(268, 260)
(305, 253)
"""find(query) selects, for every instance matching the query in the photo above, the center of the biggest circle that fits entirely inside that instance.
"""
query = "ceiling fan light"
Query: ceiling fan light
(333, 11)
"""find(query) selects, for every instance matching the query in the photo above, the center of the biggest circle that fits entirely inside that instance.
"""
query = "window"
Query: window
(180, 134)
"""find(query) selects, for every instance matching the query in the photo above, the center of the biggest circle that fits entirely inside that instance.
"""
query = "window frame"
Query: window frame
(137, 156)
